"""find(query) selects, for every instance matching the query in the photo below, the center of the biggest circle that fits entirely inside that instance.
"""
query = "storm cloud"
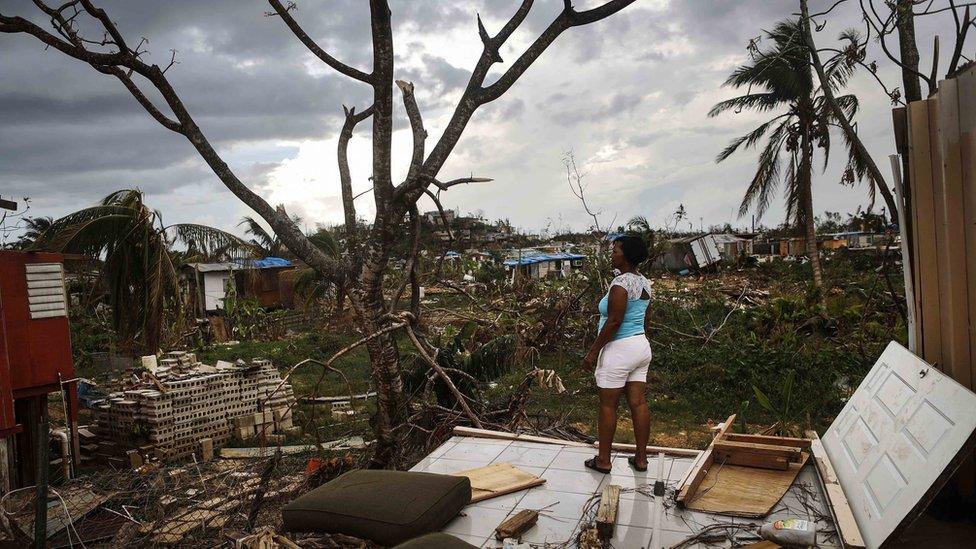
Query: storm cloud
(629, 95)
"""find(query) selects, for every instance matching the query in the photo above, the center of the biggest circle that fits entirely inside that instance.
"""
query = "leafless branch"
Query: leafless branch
(460, 181)
(345, 178)
(304, 38)
(446, 378)
(416, 125)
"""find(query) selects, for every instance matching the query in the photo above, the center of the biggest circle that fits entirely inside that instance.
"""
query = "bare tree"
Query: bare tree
(362, 270)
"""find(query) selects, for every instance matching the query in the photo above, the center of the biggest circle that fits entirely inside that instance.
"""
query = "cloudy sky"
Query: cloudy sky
(628, 95)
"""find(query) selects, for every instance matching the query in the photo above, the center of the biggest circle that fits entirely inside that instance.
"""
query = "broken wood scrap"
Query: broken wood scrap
(739, 491)
(516, 525)
(752, 454)
(802, 443)
(840, 509)
(606, 513)
(497, 480)
(695, 476)
(590, 539)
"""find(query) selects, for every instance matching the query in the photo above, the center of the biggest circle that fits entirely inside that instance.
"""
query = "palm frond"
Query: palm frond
(209, 242)
(750, 139)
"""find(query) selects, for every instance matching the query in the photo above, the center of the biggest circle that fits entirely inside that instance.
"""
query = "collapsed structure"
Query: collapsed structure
(176, 407)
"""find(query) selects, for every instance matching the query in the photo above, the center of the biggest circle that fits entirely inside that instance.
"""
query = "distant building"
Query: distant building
(257, 278)
(435, 218)
(690, 252)
(536, 264)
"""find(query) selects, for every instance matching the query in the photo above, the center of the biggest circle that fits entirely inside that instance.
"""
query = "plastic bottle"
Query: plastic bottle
(791, 531)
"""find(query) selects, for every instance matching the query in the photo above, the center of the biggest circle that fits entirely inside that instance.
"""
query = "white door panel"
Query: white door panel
(896, 435)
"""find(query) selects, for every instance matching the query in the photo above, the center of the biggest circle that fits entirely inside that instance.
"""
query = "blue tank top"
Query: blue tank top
(633, 323)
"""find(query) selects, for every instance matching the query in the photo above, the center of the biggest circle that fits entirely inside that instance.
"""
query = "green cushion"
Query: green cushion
(388, 507)
(435, 541)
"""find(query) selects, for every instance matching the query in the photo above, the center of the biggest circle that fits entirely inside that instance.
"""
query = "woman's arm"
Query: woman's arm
(616, 307)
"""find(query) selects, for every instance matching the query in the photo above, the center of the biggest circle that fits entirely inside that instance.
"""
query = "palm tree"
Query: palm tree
(139, 268)
(780, 79)
(265, 244)
(34, 226)
(312, 284)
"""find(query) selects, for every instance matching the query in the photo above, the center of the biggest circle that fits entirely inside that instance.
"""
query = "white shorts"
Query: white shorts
(622, 361)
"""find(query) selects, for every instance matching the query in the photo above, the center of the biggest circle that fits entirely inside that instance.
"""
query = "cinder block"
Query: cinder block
(207, 448)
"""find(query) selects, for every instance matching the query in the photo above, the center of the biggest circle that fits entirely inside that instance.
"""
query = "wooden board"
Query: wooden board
(516, 525)
(498, 479)
(952, 246)
(606, 513)
(745, 459)
(696, 474)
(803, 443)
(925, 265)
(791, 453)
(742, 491)
(619, 446)
(502, 435)
(840, 509)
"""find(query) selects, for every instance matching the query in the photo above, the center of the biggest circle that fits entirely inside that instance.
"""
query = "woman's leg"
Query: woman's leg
(637, 400)
(607, 423)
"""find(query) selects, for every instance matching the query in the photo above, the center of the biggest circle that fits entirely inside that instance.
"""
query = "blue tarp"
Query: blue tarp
(530, 259)
(266, 263)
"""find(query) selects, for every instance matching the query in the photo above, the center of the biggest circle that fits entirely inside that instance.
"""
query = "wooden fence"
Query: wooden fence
(941, 133)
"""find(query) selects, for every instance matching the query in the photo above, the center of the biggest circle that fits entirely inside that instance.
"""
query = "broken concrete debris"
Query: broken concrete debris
(186, 407)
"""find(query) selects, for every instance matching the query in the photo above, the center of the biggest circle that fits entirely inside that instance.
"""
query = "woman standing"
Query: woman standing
(622, 353)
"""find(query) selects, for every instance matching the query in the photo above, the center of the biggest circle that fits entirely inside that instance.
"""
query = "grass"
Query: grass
(697, 377)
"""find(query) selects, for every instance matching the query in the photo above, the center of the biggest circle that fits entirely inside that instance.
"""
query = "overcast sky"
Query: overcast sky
(629, 95)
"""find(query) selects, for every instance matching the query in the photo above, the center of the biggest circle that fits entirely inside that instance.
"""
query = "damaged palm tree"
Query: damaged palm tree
(363, 269)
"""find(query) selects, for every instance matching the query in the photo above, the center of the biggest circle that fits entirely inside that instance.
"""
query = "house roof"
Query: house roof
(264, 263)
(530, 259)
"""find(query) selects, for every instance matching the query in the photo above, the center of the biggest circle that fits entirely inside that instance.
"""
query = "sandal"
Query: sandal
(632, 460)
(591, 464)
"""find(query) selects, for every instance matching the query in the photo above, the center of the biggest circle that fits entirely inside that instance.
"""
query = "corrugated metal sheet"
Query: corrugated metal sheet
(540, 257)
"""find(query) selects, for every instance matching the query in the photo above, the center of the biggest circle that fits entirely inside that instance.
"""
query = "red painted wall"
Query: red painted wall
(37, 350)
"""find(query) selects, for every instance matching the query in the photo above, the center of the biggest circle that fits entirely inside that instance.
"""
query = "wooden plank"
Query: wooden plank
(606, 513)
(742, 491)
(498, 479)
(745, 459)
(847, 527)
(955, 329)
(926, 264)
(966, 83)
(803, 443)
(678, 452)
(696, 474)
(791, 453)
(517, 524)
(502, 435)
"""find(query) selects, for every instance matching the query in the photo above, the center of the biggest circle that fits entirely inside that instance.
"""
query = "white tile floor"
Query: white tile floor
(569, 486)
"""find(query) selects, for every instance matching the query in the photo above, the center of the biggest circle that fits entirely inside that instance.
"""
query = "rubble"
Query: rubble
(185, 407)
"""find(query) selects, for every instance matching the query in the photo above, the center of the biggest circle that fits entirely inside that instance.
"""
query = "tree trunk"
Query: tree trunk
(370, 305)
(908, 50)
(806, 205)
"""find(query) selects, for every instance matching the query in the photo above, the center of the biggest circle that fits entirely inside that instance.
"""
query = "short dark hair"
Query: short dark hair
(634, 248)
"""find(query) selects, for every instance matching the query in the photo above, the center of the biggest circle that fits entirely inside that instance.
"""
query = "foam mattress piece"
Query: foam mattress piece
(388, 507)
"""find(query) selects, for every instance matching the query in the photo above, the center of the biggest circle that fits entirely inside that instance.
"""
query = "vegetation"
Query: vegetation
(138, 270)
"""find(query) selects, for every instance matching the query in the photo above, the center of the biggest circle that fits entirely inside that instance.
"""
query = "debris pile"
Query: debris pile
(174, 409)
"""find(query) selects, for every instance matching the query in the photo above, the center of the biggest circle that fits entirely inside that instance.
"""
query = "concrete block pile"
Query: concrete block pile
(180, 402)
